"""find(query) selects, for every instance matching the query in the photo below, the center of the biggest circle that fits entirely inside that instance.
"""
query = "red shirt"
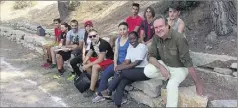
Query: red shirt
(133, 22)
(57, 34)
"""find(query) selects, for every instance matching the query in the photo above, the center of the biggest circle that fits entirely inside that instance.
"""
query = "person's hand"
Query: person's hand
(199, 87)
(115, 67)
(85, 67)
(164, 72)
(118, 68)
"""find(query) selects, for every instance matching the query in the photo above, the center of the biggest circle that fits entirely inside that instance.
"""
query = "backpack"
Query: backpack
(82, 82)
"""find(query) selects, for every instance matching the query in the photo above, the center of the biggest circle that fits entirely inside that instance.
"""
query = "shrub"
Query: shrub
(73, 5)
(21, 4)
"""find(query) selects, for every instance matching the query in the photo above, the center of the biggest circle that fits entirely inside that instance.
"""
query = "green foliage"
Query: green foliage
(21, 4)
(73, 5)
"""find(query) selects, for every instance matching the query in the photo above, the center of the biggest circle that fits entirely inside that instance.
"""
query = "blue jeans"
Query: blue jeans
(107, 73)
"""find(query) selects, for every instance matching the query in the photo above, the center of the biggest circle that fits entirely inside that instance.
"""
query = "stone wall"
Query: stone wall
(218, 71)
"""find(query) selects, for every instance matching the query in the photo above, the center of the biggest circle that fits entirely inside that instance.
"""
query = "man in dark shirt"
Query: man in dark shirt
(169, 53)
(94, 64)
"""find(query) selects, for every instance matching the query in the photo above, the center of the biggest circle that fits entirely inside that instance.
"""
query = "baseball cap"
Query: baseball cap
(88, 23)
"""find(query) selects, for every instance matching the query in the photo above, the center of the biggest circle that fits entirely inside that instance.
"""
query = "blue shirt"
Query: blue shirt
(122, 50)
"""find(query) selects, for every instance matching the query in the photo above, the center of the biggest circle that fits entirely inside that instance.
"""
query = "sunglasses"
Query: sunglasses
(56, 23)
(93, 36)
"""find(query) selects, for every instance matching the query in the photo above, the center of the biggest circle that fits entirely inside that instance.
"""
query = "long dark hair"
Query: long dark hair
(66, 25)
(151, 10)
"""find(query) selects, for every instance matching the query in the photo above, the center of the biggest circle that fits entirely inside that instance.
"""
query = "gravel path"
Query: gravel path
(25, 84)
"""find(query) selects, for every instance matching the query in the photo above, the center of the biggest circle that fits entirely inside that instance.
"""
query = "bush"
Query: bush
(73, 5)
(185, 5)
(23, 4)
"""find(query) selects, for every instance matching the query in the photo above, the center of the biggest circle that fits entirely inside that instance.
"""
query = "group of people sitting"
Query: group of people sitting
(153, 47)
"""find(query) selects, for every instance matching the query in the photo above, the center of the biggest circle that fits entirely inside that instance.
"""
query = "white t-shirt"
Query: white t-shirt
(140, 52)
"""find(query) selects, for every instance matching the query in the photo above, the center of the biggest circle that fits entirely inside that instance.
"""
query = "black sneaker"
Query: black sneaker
(88, 93)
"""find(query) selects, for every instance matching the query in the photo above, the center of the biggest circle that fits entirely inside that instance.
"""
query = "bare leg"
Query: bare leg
(94, 76)
(60, 61)
(53, 54)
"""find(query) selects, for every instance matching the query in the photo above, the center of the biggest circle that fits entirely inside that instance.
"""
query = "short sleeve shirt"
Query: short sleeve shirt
(138, 53)
(148, 30)
(57, 34)
(63, 36)
(133, 22)
(75, 37)
(103, 46)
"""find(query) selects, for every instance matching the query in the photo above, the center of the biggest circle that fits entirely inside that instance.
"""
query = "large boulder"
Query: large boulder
(150, 87)
(234, 65)
(200, 59)
(223, 103)
(141, 97)
(187, 97)
(225, 71)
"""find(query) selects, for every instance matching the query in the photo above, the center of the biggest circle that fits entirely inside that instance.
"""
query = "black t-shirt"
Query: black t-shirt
(103, 46)
(63, 36)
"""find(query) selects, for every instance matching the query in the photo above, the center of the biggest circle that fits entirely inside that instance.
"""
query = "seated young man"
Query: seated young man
(46, 48)
(65, 27)
(88, 25)
(95, 64)
(74, 42)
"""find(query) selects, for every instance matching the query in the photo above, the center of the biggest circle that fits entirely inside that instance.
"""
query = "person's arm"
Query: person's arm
(181, 27)
(142, 34)
(153, 58)
(137, 27)
(61, 42)
(140, 56)
(116, 53)
(89, 54)
(187, 61)
(148, 41)
(99, 59)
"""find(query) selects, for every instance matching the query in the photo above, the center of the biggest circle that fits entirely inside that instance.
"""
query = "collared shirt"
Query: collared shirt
(173, 51)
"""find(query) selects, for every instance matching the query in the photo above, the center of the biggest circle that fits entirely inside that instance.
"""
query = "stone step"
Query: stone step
(187, 97)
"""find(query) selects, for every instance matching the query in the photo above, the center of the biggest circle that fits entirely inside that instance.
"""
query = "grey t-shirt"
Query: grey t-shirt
(75, 37)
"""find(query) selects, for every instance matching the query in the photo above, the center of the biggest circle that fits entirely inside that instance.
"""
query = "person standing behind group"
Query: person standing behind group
(146, 29)
(174, 21)
(46, 48)
(65, 27)
(135, 20)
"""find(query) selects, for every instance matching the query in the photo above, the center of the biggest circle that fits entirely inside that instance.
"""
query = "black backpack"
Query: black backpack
(82, 82)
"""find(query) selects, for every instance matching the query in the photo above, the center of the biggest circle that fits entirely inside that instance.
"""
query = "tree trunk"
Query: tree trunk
(223, 16)
(63, 6)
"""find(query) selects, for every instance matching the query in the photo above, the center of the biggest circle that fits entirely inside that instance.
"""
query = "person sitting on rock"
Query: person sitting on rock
(96, 64)
(79, 59)
(169, 55)
(74, 46)
(131, 70)
(65, 27)
(174, 21)
(46, 48)
(146, 28)
(122, 43)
